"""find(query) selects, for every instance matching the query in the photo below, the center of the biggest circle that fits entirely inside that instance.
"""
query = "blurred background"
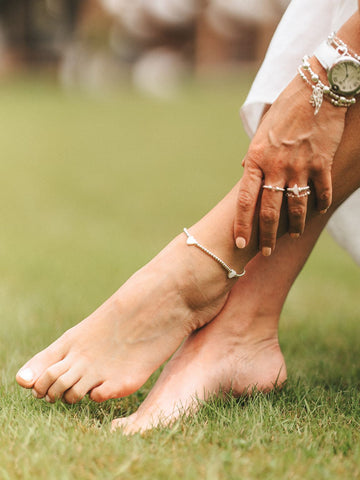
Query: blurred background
(153, 44)
(120, 126)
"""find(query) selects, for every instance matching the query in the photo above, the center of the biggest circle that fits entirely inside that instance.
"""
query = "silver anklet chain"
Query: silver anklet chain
(231, 273)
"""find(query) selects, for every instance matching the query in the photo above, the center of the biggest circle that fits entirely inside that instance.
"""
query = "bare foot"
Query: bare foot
(227, 355)
(114, 351)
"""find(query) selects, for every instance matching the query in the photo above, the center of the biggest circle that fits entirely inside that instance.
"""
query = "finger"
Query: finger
(271, 201)
(297, 207)
(248, 193)
(323, 189)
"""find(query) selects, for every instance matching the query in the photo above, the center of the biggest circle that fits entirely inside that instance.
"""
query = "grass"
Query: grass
(91, 188)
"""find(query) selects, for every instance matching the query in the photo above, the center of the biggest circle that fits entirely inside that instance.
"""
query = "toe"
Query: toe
(79, 389)
(32, 370)
(110, 389)
(123, 423)
(49, 377)
(63, 383)
(118, 423)
(102, 392)
(26, 377)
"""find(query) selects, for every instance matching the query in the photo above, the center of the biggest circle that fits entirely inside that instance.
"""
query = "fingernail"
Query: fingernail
(322, 212)
(35, 394)
(266, 251)
(294, 235)
(240, 242)
(26, 374)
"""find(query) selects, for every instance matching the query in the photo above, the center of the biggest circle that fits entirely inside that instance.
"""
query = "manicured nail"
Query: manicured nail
(26, 374)
(266, 251)
(240, 242)
(35, 394)
(295, 235)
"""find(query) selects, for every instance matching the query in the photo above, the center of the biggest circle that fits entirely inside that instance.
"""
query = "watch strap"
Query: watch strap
(326, 55)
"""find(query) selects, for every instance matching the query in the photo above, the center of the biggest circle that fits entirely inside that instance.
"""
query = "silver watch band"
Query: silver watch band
(326, 55)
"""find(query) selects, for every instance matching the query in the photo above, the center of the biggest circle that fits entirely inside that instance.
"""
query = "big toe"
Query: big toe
(125, 424)
(31, 371)
(26, 377)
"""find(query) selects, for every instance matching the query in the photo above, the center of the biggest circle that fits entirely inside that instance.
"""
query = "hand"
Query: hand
(291, 147)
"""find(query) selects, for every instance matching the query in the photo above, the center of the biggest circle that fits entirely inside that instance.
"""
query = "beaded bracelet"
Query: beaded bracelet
(341, 46)
(320, 90)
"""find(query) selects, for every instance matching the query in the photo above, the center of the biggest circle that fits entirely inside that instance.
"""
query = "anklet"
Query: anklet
(231, 273)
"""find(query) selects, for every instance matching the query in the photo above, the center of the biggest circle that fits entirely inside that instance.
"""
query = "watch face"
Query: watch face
(344, 76)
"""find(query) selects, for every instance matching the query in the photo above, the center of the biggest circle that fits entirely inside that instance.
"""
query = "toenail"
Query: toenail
(35, 394)
(115, 425)
(26, 374)
(48, 399)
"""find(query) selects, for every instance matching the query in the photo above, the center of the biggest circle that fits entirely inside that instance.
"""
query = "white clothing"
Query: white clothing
(291, 41)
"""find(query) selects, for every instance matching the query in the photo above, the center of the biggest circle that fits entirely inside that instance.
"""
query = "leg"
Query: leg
(113, 352)
(239, 349)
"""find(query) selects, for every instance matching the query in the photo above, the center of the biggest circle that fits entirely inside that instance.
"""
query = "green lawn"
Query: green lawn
(90, 189)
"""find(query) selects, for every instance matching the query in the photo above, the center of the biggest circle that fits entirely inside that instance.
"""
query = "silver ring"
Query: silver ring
(273, 189)
(296, 191)
(292, 195)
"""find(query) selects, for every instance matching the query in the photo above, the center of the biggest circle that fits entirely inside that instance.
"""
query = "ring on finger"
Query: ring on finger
(297, 192)
(273, 189)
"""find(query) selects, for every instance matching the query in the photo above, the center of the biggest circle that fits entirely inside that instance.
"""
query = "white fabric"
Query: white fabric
(305, 24)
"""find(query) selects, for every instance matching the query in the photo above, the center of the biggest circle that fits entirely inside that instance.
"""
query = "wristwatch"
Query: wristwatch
(343, 70)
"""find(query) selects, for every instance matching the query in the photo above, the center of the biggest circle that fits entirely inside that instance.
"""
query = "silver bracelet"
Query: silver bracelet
(231, 273)
(341, 46)
(320, 90)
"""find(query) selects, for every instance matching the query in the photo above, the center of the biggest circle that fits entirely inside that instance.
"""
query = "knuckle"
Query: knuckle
(325, 196)
(267, 239)
(51, 376)
(245, 200)
(76, 394)
(256, 153)
(297, 211)
(60, 385)
(269, 216)
(321, 164)
(317, 168)
(72, 396)
(294, 170)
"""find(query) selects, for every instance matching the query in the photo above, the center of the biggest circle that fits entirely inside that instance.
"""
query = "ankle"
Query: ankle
(201, 282)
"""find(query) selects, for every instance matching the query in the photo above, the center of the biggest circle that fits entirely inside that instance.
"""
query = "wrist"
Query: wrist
(342, 66)
(337, 93)
(349, 33)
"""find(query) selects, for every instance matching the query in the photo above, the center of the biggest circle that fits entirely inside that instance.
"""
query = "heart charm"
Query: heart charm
(191, 240)
(232, 274)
